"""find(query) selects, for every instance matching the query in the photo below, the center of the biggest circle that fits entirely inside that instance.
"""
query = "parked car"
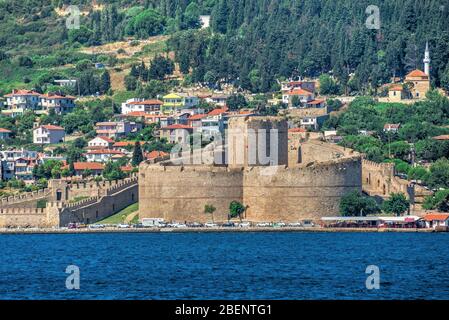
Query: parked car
(295, 224)
(211, 225)
(123, 226)
(244, 225)
(308, 224)
(228, 225)
(96, 226)
(263, 225)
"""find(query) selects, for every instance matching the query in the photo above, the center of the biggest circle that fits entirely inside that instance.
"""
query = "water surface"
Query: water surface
(225, 266)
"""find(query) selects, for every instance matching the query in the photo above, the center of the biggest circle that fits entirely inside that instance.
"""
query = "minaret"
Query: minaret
(427, 60)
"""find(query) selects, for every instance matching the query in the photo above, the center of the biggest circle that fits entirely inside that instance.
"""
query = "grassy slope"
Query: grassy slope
(121, 216)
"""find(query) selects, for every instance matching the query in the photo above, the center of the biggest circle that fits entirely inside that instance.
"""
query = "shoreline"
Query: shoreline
(210, 230)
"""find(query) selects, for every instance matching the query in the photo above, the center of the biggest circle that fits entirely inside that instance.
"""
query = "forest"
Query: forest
(251, 43)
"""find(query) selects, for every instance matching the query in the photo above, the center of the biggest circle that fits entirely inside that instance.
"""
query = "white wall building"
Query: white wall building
(48, 134)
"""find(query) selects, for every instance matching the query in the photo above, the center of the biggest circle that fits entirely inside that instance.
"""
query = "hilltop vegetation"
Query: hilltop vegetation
(251, 43)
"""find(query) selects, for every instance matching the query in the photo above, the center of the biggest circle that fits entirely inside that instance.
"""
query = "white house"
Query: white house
(61, 104)
(139, 105)
(20, 101)
(48, 134)
(100, 143)
(103, 155)
(118, 129)
(176, 133)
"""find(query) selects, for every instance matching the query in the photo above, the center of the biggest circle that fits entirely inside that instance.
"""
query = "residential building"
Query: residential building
(66, 83)
(20, 101)
(94, 168)
(176, 133)
(392, 127)
(289, 86)
(100, 143)
(313, 122)
(218, 100)
(196, 122)
(48, 134)
(145, 106)
(17, 164)
(5, 134)
(115, 130)
(214, 122)
(125, 146)
(437, 220)
(174, 102)
(61, 104)
(103, 155)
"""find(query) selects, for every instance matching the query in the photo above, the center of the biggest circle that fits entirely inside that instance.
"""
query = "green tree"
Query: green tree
(137, 155)
(439, 201)
(236, 102)
(397, 204)
(236, 209)
(439, 174)
(355, 204)
(209, 210)
(105, 82)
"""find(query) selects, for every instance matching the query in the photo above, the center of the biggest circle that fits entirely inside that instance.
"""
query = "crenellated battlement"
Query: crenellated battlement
(28, 196)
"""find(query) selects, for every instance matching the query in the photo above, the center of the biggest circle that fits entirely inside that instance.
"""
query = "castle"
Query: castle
(305, 180)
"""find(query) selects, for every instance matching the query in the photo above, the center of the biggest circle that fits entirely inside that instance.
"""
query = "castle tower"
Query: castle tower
(257, 141)
(427, 60)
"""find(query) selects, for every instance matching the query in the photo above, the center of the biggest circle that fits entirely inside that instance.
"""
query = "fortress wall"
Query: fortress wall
(378, 178)
(295, 194)
(25, 200)
(95, 209)
(180, 193)
(23, 217)
(271, 193)
(318, 151)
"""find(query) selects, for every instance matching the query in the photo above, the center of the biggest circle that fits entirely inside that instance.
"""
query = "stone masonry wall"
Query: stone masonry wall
(270, 193)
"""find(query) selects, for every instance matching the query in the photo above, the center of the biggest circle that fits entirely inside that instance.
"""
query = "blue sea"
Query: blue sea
(225, 266)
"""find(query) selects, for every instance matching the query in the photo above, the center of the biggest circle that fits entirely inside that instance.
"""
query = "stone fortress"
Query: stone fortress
(68, 202)
(293, 177)
(306, 182)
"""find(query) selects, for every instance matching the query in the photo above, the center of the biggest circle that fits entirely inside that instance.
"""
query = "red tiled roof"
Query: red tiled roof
(3, 130)
(217, 112)
(127, 168)
(300, 92)
(396, 88)
(121, 144)
(104, 151)
(86, 166)
(442, 138)
(156, 154)
(392, 126)
(55, 96)
(416, 74)
(21, 92)
(314, 102)
(107, 139)
(436, 217)
(52, 127)
(136, 114)
(177, 126)
(147, 102)
(198, 116)
(295, 130)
